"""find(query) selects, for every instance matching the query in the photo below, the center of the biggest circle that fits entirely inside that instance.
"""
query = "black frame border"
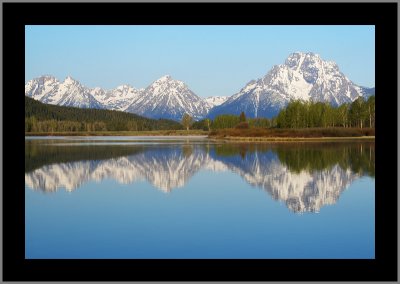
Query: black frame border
(17, 15)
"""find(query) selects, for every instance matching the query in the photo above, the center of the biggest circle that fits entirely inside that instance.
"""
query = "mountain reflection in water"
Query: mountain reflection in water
(305, 176)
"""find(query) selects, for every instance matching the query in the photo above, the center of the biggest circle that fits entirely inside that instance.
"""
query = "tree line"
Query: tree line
(300, 114)
(41, 117)
(230, 121)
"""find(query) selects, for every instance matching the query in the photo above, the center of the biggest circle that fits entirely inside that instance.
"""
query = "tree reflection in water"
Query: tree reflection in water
(305, 176)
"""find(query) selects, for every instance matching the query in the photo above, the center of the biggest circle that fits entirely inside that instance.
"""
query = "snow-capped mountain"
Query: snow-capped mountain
(215, 101)
(49, 90)
(164, 98)
(41, 87)
(116, 99)
(303, 76)
(168, 98)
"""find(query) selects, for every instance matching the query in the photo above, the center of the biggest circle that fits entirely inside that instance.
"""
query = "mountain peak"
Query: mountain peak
(304, 54)
(123, 86)
(167, 80)
(43, 79)
(164, 78)
(47, 77)
(70, 80)
(169, 98)
(295, 60)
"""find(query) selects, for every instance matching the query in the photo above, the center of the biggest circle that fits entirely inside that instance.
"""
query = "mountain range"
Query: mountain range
(303, 76)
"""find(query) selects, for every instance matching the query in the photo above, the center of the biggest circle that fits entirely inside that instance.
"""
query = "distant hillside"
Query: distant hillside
(44, 117)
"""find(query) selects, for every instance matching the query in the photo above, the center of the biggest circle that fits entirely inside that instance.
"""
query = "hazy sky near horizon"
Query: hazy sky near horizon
(211, 60)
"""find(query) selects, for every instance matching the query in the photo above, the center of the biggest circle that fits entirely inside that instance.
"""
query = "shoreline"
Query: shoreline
(122, 133)
(293, 139)
(194, 134)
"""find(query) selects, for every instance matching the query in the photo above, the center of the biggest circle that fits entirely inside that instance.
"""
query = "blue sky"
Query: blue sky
(211, 60)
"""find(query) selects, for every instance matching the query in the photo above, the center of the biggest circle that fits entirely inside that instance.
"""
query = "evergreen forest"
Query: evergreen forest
(41, 117)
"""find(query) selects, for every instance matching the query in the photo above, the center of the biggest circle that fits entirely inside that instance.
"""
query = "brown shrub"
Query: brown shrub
(242, 125)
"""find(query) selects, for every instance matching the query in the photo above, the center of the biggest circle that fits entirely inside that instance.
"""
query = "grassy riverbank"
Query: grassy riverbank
(123, 133)
(295, 139)
(292, 135)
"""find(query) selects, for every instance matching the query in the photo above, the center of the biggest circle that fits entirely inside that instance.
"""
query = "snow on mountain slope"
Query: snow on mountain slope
(168, 98)
(116, 99)
(164, 98)
(40, 87)
(215, 101)
(49, 90)
(303, 76)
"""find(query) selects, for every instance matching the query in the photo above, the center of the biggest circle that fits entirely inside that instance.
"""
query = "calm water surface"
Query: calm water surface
(178, 197)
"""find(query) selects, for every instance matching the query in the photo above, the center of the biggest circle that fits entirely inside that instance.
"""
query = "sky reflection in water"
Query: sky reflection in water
(202, 199)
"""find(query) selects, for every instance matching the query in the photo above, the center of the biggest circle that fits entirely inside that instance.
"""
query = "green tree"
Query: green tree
(187, 121)
(358, 112)
(342, 115)
(260, 122)
(208, 124)
(242, 117)
(281, 119)
(30, 124)
(371, 110)
(225, 121)
(204, 124)
(132, 126)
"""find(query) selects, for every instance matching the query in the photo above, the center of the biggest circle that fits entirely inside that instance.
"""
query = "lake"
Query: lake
(190, 197)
